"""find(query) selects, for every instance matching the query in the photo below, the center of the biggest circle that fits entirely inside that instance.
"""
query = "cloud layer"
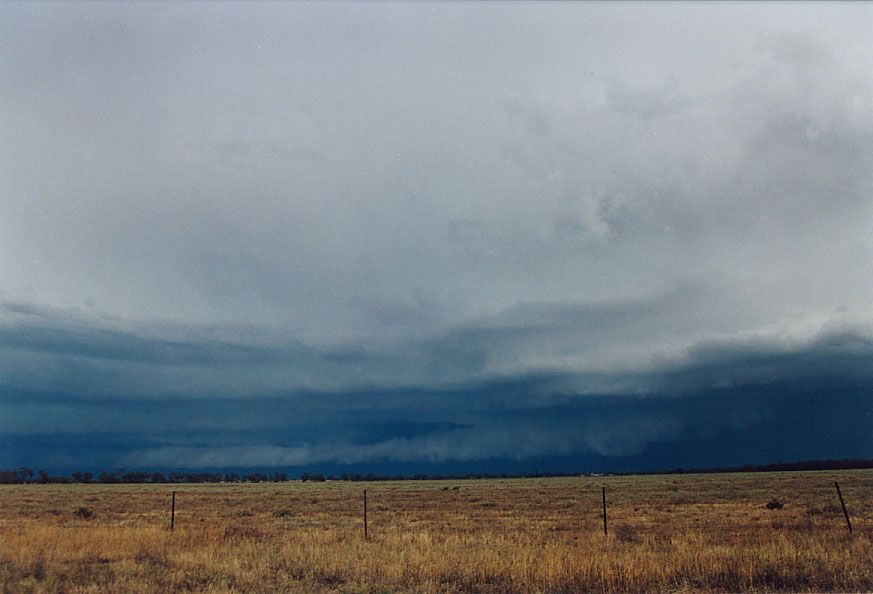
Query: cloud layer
(431, 215)
(159, 397)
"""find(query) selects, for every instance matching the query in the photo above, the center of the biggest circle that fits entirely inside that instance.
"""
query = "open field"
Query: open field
(666, 533)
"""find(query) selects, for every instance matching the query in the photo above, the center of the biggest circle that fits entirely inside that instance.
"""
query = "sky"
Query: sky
(435, 236)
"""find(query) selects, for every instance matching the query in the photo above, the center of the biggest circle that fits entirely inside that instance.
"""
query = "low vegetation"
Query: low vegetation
(666, 533)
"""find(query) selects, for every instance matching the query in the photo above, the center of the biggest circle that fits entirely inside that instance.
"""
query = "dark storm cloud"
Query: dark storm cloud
(756, 423)
(715, 391)
(432, 214)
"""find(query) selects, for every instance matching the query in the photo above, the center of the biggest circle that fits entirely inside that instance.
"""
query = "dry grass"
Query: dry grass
(667, 533)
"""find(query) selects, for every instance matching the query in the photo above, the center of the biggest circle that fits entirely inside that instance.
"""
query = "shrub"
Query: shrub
(83, 512)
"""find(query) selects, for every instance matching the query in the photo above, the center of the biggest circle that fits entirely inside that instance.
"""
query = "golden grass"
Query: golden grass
(667, 533)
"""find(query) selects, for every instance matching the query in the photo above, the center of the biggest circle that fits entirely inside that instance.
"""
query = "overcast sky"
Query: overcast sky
(297, 234)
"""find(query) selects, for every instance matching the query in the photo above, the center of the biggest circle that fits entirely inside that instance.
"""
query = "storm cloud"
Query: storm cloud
(435, 233)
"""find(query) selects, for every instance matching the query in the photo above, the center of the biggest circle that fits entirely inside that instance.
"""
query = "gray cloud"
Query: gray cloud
(605, 346)
(165, 168)
(218, 201)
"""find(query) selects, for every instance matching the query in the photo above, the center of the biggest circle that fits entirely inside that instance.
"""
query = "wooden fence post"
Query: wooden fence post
(366, 534)
(173, 511)
(605, 531)
(843, 505)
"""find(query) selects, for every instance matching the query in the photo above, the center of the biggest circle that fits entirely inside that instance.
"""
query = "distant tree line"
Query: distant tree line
(24, 474)
(844, 464)
(27, 475)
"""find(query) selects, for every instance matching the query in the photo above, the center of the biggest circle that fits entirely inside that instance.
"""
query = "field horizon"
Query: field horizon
(182, 474)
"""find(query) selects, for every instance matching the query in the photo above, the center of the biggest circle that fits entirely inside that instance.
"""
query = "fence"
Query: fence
(625, 508)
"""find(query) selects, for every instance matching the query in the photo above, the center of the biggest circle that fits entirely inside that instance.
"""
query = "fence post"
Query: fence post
(173, 511)
(843, 505)
(603, 490)
(366, 534)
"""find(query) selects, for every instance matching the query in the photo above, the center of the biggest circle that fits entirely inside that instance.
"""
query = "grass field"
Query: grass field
(666, 533)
